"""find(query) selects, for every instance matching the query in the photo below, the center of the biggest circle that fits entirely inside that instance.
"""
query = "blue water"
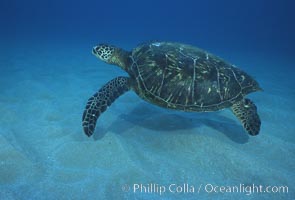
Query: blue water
(138, 151)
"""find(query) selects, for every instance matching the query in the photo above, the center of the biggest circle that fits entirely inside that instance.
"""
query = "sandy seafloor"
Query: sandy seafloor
(44, 153)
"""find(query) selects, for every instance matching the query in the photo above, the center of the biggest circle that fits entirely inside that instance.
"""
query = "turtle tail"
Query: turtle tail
(246, 111)
(100, 101)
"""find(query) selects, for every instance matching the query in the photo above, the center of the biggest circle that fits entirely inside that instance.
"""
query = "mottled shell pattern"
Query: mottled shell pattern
(187, 78)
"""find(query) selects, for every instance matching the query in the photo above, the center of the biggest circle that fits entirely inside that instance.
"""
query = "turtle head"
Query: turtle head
(104, 52)
(111, 54)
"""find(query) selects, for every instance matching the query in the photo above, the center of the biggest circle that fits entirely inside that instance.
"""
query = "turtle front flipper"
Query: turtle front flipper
(246, 112)
(99, 102)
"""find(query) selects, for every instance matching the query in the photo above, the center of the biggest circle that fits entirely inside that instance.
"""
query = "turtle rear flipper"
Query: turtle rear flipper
(246, 112)
(99, 102)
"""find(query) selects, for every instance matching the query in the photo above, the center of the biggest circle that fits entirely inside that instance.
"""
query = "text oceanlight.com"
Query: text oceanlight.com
(154, 188)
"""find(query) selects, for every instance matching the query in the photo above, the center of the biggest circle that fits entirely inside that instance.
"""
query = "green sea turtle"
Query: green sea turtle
(175, 76)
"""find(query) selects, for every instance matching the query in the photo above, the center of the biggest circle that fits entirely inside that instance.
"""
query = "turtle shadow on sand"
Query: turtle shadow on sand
(158, 119)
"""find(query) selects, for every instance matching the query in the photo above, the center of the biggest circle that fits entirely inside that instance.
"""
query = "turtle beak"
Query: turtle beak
(94, 50)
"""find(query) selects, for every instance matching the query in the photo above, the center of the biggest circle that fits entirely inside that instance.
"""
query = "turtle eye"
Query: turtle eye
(98, 50)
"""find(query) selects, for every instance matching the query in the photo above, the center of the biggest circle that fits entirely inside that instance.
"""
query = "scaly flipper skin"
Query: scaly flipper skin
(246, 111)
(99, 102)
